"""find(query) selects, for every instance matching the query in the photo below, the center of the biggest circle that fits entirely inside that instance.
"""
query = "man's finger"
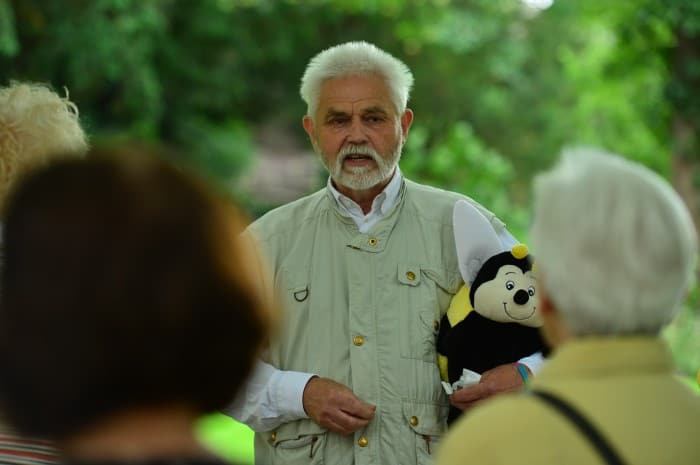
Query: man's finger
(334, 426)
(359, 409)
(346, 424)
(351, 422)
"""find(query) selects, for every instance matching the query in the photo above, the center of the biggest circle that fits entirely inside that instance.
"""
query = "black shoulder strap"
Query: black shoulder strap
(588, 430)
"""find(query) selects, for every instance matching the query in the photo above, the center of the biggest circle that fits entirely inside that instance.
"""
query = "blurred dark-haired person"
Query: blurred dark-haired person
(126, 290)
(616, 250)
(37, 126)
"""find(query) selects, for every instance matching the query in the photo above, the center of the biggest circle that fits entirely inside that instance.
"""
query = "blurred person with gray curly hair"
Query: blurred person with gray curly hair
(36, 126)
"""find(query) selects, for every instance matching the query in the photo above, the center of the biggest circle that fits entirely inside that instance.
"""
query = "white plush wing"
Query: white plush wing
(475, 239)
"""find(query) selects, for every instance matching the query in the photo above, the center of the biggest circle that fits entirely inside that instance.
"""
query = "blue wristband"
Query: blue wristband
(523, 372)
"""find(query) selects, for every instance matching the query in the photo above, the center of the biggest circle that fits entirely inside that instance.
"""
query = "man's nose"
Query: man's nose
(357, 132)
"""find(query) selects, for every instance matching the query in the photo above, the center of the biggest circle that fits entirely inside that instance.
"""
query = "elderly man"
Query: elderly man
(609, 280)
(364, 269)
(36, 126)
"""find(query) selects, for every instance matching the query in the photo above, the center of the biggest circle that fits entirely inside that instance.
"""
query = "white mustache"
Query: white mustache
(353, 149)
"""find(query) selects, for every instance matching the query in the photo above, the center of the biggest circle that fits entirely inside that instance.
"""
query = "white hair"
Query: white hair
(36, 125)
(353, 59)
(614, 242)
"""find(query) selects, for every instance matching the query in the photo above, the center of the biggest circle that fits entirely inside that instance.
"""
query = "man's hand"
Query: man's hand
(335, 407)
(503, 378)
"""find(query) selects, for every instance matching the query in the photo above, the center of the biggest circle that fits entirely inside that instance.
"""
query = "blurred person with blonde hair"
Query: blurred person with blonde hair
(36, 126)
(616, 250)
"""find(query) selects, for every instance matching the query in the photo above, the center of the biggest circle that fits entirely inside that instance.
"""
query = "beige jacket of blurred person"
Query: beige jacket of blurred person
(615, 251)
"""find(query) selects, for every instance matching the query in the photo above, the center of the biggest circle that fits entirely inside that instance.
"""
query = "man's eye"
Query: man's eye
(336, 121)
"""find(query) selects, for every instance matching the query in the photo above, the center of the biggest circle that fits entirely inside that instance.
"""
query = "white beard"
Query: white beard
(362, 177)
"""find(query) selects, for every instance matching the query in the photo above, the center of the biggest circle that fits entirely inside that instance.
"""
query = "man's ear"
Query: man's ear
(308, 124)
(406, 120)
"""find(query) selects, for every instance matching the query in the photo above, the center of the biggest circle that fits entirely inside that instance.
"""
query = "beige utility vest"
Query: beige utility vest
(363, 309)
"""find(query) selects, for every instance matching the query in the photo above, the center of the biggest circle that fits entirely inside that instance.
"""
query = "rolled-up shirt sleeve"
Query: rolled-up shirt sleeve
(270, 397)
(534, 362)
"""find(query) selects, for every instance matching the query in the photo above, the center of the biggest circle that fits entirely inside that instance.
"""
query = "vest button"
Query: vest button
(372, 241)
(410, 275)
(414, 421)
(273, 436)
(362, 442)
(436, 325)
(358, 340)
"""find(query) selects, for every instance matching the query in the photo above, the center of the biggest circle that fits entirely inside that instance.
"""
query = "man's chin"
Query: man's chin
(360, 182)
(361, 178)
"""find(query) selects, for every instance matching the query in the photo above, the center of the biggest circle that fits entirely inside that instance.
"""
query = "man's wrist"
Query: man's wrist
(303, 404)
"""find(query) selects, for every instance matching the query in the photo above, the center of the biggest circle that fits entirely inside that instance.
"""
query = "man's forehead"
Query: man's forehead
(356, 106)
(355, 93)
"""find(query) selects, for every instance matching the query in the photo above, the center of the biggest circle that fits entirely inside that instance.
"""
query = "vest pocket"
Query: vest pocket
(420, 312)
(428, 423)
(297, 443)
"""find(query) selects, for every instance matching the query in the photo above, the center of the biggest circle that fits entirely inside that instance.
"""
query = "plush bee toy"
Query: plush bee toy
(493, 319)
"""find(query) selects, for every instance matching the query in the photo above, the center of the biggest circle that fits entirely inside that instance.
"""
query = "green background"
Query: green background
(501, 87)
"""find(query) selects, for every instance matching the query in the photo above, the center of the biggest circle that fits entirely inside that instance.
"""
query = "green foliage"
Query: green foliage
(683, 55)
(226, 437)
(619, 107)
(222, 150)
(499, 90)
(103, 51)
(683, 336)
(526, 83)
(8, 36)
(461, 162)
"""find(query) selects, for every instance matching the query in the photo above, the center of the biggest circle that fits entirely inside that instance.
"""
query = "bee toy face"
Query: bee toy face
(510, 297)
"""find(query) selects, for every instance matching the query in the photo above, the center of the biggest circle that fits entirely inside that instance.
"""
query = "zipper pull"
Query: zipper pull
(313, 443)
(427, 442)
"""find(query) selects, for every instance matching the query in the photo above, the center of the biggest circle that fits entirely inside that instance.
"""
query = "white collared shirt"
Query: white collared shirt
(381, 204)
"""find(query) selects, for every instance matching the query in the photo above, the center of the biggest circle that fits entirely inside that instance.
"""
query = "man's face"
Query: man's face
(357, 132)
